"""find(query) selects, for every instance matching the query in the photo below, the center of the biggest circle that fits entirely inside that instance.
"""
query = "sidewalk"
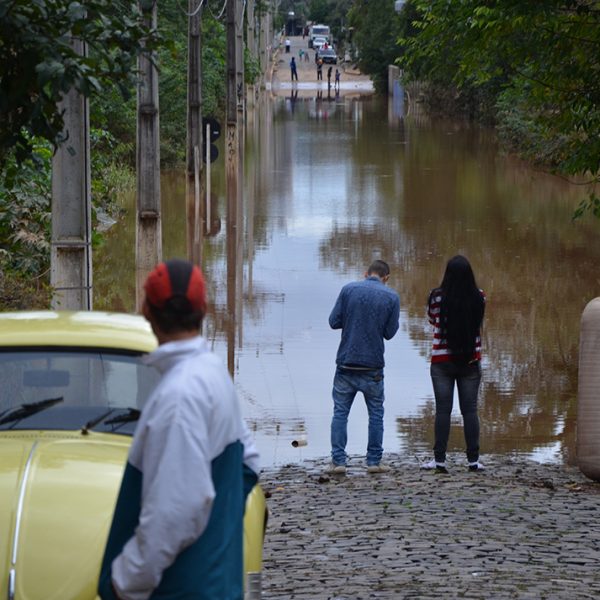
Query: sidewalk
(516, 530)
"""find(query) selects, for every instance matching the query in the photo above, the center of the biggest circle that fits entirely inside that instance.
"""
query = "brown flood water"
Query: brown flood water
(330, 185)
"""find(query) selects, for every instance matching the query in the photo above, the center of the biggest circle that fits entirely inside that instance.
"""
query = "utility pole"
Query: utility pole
(194, 133)
(71, 254)
(148, 231)
(241, 115)
(232, 168)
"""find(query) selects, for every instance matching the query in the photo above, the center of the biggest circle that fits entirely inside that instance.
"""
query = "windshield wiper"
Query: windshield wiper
(27, 410)
(132, 414)
(93, 422)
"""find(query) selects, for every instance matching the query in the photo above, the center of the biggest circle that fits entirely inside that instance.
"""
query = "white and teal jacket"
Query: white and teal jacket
(177, 528)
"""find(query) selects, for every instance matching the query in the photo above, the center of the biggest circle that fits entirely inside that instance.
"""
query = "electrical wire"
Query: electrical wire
(241, 24)
(196, 11)
(218, 18)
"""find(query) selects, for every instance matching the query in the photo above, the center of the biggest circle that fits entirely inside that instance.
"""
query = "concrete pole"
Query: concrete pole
(194, 179)
(241, 117)
(71, 253)
(148, 231)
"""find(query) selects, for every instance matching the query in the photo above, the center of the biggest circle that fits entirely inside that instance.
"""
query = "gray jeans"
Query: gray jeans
(467, 378)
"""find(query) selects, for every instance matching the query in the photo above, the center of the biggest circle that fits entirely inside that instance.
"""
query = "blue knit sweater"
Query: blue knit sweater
(367, 312)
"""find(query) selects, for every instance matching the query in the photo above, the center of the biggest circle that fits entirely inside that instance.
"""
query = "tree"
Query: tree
(538, 63)
(318, 11)
(376, 28)
(38, 64)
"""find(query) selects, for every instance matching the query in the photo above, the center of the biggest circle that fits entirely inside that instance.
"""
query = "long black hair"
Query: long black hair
(462, 307)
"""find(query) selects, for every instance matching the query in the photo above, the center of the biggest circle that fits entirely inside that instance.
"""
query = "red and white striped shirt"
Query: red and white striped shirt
(440, 352)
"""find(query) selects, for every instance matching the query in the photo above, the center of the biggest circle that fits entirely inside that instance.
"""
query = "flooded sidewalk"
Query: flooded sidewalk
(518, 530)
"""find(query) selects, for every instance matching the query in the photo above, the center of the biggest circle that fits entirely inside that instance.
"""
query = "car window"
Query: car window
(81, 378)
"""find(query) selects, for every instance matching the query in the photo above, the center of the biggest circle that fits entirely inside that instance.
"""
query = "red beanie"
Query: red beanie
(176, 278)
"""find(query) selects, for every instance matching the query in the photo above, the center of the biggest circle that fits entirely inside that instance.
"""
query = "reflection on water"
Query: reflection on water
(330, 185)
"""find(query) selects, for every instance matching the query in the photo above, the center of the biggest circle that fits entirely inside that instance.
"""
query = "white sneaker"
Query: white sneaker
(476, 466)
(378, 468)
(440, 467)
(334, 469)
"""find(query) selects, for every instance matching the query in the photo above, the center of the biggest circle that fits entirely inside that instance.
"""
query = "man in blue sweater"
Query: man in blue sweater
(367, 312)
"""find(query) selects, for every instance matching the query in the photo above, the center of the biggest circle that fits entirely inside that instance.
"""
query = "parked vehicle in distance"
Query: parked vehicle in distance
(73, 386)
(318, 31)
(328, 56)
(319, 42)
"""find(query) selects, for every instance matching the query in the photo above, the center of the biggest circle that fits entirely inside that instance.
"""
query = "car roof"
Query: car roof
(89, 329)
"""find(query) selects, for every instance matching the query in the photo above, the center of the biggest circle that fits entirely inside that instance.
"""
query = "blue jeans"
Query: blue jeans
(467, 378)
(346, 384)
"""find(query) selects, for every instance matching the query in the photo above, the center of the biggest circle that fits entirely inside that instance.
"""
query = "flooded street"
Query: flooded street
(331, 184)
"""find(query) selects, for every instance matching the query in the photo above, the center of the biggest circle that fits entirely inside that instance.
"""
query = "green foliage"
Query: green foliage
(590, 204)
(214, 53)
(318, 11)
(111, 176)
(40, 64)
(25, 212)
(537, 64)
(376, 28)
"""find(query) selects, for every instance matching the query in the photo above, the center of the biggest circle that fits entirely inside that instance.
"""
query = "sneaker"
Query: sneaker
(476, 466)
(440, 467)
(334, 469)
(378, 468)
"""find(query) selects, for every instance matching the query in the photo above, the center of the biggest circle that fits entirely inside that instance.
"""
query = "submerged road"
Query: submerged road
(517, 530)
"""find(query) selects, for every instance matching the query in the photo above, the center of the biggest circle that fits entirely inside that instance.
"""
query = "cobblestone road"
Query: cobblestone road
(517, 530)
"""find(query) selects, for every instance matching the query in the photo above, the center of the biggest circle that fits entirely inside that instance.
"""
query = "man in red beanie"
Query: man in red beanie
(177, 528)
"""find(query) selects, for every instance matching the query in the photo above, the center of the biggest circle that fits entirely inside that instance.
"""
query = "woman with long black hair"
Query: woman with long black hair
(455, 310)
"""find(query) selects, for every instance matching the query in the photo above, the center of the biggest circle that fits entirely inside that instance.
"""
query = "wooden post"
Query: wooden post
(71, 253)
(148, 231)
(194, 133)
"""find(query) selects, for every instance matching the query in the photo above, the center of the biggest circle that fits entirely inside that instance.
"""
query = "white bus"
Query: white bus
(319, 31)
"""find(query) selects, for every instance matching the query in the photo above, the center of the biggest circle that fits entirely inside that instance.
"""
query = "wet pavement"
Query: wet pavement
(517, 530)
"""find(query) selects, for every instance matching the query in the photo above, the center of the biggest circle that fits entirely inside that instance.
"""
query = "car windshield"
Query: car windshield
(90, 383)
(327, 52)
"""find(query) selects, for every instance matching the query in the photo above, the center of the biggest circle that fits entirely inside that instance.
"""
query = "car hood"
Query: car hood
(57, 496)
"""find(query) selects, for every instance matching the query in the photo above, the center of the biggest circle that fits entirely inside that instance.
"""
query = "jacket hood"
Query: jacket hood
(57, 496)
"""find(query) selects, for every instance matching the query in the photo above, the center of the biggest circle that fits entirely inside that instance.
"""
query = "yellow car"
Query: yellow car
(71, 387)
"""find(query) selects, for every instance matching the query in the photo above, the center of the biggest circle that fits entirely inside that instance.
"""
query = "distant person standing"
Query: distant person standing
(306, 56)
(455, 310)
(288, 46)
(293, 69)
(367, 312)
(329, 76)
(337, 80)
(319, 70)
